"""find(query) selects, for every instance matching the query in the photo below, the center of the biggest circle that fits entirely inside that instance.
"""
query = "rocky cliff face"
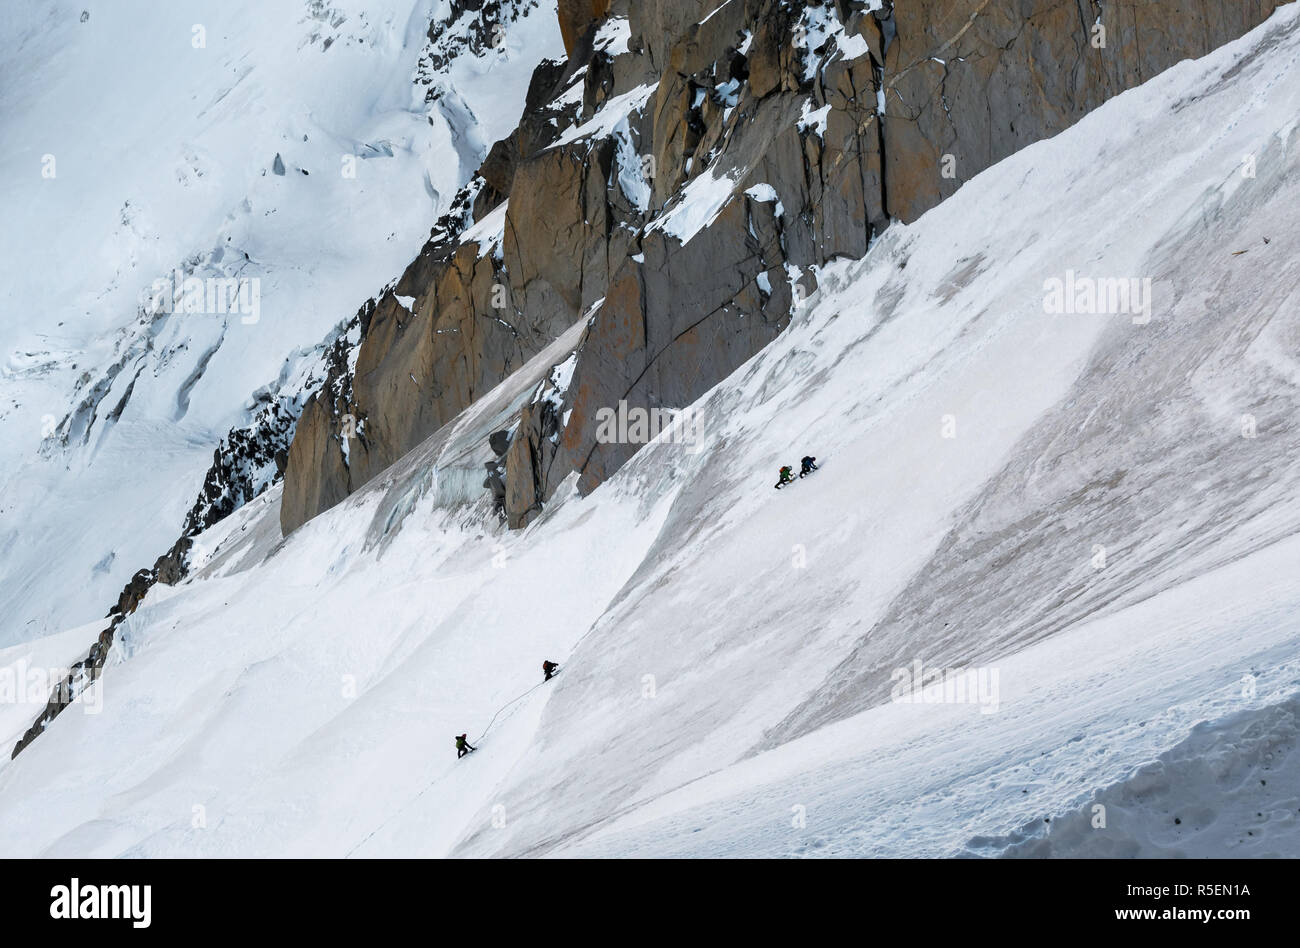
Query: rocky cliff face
(678, 181)
(980, 79)
(576, 17)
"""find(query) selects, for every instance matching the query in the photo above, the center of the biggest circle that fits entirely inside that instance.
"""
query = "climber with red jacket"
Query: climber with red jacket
(548, 669)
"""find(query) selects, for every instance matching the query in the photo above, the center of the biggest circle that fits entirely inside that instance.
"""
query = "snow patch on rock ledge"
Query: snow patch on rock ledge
(615, 111)
(701, 202)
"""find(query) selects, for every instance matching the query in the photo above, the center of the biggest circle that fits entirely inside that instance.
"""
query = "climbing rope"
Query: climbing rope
(503, 707)
(430, 784)
(408, 803)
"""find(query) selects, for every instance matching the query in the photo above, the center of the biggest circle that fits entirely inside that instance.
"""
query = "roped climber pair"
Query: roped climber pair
(463, 746)
(807, 466)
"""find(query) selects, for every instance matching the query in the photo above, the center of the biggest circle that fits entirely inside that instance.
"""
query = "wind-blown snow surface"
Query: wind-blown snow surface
(294, 144)
(1099, 532)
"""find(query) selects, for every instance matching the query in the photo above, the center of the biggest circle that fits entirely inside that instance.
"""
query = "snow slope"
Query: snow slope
(303, 145)
(1092, 709)
(728, 650)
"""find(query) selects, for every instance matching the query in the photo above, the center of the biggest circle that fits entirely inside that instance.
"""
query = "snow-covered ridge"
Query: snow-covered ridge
(291, 152)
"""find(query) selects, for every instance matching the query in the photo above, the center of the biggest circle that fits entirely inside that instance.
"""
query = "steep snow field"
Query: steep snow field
(1100, 509)
(142, 138)
(1074, 714)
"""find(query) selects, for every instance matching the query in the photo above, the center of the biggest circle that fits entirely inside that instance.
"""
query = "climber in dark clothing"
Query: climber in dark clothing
(809, 465)
(548, 669)
(786, 478)
(463, 746)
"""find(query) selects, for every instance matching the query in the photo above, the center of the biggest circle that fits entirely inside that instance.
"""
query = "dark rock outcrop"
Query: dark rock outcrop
(245, 463)
(170, 568)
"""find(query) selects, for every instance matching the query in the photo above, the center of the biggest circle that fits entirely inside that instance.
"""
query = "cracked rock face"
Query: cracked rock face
(981, 79)
(678, 181)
